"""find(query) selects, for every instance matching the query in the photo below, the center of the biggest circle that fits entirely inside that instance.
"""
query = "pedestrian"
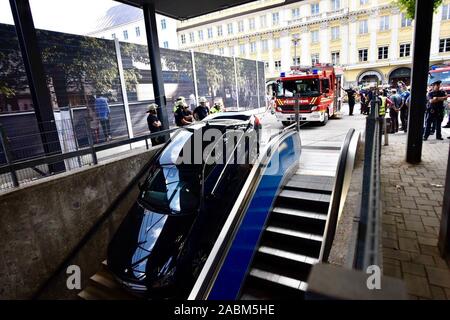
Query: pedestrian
(216, 108)
(351, 100)
(394, 109)
(435, 110)
(154, 125)
(183, 116)
(404, 107)
(202, 111)
(94, 124)
(103, 114)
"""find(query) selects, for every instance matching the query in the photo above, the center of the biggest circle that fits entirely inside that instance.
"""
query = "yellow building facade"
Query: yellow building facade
(370, 39)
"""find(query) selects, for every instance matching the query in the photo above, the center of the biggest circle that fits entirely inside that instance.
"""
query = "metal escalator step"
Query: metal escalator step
(300, 213)
(318, 184)
(279, 279)
(287, 255)
(303, 195)
(293, 233)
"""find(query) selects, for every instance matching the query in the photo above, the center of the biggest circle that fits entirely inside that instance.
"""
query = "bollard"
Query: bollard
(8, 155)
(386, 135)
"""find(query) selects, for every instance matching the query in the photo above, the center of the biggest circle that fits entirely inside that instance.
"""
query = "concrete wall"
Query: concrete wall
(41, 223)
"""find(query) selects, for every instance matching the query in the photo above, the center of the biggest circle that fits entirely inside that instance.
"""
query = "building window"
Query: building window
(252, 47)
(138, 32)
(242, 49)
(405, 50)
(383, 53)
(335, 57)
(264, 45)
(315, 8)
(183, 38)
(296, 61)
(125, 34)
(251, 23)
(210, 33)
(219, 31)
(334, 33)
(444, 45)
(166, 44)
(276, 43)
(221, 51)
(446, 12)
(113, 36)
(266, 65)
(277, 64)
(241, 26)
(191, 37)
(315, 36)
(384, 23)
(362, 55)
(363, 2)
(275, 18)
(263, 21)
(405, 21)
(363, 27)
(295, 13)
(230, 28)
(163, 24)
(231, 51)
(335, 5)
(200, 35)
(314, 58)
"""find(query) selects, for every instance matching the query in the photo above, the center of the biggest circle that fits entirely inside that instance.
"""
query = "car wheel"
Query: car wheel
(325, 119)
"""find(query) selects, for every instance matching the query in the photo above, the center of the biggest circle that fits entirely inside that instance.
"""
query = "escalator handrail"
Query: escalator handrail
(219, 251)
(337, 196)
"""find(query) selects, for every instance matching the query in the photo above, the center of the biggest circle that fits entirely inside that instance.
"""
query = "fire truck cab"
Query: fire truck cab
(317, 90)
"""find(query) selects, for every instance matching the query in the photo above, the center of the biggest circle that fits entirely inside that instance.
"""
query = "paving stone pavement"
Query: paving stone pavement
(412, 198)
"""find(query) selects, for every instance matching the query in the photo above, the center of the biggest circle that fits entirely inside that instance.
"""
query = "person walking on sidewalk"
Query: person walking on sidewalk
(394, 109)
(103, 114)
(435, 110)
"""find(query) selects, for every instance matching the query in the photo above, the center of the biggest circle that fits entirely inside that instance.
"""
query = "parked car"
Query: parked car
(163, 242)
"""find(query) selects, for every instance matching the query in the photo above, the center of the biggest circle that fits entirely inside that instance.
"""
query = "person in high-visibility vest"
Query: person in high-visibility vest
(383, 101)
(179, 102)
(217, 107)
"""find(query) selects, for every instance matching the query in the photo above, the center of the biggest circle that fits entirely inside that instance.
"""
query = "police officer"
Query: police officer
(351, 99)
(404, 107)
(183, 116)
(202, 111)
(394, 109)
(217, 107)
(154, 125)
(435, 110)
(180, 100)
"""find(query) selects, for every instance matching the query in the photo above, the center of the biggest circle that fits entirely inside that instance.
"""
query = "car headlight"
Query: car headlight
(313, 108)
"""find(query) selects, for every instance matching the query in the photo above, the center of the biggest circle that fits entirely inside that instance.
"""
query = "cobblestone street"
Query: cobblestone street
(412, 198)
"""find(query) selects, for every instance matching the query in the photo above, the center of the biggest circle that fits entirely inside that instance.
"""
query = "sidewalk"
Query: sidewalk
(412, 198)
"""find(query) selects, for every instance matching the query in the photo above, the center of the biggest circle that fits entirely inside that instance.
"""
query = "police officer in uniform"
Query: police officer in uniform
(202, 111)
(183, 116)
(435, 110)
(217, 107)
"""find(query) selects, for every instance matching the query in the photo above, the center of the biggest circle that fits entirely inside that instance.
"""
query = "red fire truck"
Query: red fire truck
(317, 89)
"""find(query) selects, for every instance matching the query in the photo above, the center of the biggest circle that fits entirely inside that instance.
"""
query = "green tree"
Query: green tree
(409, 6)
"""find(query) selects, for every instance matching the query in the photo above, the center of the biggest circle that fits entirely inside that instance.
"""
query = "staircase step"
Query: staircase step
(299, 213)
(287, 255)
(279, 279)
(293, 233)
(304, 195)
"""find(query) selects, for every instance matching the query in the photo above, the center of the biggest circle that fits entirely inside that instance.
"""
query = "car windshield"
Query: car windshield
(303, 87)
(444, 76)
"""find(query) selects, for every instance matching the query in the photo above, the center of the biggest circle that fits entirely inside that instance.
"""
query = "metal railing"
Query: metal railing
(367, 251)
(12, 167)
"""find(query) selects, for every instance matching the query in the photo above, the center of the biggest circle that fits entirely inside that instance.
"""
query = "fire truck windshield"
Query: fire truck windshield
(303, 87)
(444, 76)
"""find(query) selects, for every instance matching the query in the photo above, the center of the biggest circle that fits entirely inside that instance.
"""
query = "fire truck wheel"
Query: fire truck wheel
(286, 123)
(325, 118)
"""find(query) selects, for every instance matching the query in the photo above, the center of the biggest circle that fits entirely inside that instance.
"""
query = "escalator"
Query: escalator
(268, 251)
(291, 241)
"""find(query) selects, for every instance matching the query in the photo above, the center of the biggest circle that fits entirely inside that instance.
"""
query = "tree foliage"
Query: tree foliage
(409, 6)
